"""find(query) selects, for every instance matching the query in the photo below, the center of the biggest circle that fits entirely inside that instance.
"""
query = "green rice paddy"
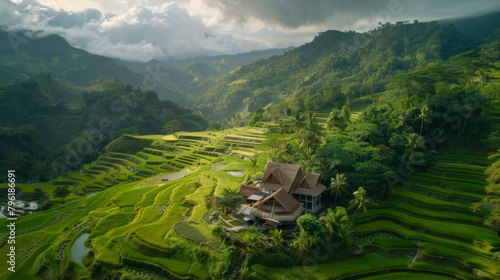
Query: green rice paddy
(146, 212)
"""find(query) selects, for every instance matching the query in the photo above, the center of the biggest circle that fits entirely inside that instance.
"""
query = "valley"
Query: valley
(369, 155)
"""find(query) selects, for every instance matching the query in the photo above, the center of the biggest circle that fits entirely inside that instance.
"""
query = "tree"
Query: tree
(424, 117)
(230, 200)
(336, 119)
(297, 121)
(304, 243)
(345, 112)
(338, 185)
(309, 234)
(311, 136)
(492, 197)
(333, 222)
(284, 125)
(275, 238)
(253, 241)
(61, 192)
(254, 162)
(403, 118)
(470, 108)
(415, 141)
(360, 201)
(307, 223)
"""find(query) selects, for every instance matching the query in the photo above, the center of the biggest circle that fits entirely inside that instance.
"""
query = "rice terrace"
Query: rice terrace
(188, 140)
(146, 214)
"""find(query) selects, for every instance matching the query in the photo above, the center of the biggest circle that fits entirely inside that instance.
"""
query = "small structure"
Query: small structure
(284, 193)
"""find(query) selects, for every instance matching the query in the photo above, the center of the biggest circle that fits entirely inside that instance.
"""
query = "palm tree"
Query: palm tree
(334, 220)
(360, 201)
(275, 238)
(254, 163)
(424, 117)
(415, 141)
(403, 118)
(311, 135)
(338, 185)
(310, 141)
(297, 121)
(283, 124)
(335, 119)
(253, 241)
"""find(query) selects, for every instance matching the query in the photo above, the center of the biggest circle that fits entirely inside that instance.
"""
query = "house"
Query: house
(284, 193)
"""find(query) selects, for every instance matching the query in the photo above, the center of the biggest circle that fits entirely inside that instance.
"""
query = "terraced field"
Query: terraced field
(146, 214)
(425, 230)
(142, 210)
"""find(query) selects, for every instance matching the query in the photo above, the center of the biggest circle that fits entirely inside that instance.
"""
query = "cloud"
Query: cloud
(140, 30)
(73, 19)
(339, 14)
(140, 34)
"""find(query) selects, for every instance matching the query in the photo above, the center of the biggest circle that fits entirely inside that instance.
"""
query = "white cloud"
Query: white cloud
(140, 30)
(141, 33)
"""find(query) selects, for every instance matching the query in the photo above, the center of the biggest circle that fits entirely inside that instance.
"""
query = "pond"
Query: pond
(78, 250)
(1, 212)
(235, 173)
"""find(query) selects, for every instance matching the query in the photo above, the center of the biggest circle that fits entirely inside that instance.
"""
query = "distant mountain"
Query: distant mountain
(219, 63)
(479, 26)
(22, 56)
(176, 79)
(335, 64)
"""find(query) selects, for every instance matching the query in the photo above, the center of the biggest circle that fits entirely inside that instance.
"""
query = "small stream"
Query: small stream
(78, 249)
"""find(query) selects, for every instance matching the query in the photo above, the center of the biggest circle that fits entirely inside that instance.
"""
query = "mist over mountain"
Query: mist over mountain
(478, 26)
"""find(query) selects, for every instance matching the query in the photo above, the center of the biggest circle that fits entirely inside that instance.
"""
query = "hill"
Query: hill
(45, 120)
(25, 54)
(480, 26)
(175, 79)
(346, 63)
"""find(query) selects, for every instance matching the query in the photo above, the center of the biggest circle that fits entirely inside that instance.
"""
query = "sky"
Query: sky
(141, 30)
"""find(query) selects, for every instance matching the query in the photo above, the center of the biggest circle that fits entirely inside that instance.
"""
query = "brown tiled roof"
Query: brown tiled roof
(284, 200)
(286, 207)
(247, 190)
(315, 191)
(309, 185)
(312, 178)
(286, 174)
(283, 180)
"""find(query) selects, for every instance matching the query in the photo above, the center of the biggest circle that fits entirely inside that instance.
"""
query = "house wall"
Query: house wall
(311, 203)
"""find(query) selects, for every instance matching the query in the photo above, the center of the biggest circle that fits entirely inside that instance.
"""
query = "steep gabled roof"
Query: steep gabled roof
(311, 178)
(315, 191)
(286, 176)
(283, 199)
(307, 181)
(247, 190)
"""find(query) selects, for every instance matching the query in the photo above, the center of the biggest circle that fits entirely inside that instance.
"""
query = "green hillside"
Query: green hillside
(26, 54)
(346, 63)
(46, 120)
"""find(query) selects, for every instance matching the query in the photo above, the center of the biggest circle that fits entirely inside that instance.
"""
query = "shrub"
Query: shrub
(276, 260)
(200, 255)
